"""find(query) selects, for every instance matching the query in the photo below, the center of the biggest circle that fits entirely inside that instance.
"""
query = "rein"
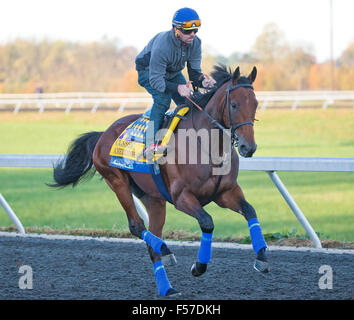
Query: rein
(234, 127)
(212, 120)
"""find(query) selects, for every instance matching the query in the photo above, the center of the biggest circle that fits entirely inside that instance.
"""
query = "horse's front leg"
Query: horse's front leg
(188, 203)
(234, 199)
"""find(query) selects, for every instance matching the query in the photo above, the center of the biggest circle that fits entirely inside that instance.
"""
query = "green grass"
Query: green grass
(310, 133)
(325, 198)
(305, 133)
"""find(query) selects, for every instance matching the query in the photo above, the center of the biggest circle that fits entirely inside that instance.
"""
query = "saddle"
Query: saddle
(127, 151)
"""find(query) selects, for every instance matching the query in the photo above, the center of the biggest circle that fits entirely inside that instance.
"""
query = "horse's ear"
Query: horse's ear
(236, 74)
(252, 76)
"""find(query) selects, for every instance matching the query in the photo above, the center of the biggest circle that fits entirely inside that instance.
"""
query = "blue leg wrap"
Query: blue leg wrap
(161, 278)
(257, 238)
(153, 241)
(204, 253)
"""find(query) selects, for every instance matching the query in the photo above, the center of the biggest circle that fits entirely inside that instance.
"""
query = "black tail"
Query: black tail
(78, 162)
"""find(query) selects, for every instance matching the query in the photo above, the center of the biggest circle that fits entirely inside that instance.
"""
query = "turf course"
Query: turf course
(325, 198)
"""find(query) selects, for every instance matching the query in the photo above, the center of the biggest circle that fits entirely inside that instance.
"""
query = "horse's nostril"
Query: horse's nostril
(243, 149)
(247, 151)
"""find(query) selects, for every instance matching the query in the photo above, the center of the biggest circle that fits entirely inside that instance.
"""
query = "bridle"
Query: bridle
(234, 137)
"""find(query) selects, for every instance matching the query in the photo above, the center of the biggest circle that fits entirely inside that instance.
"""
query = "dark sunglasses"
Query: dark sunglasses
(184, 31)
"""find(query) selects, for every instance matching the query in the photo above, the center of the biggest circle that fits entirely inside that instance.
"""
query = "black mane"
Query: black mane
(221, 74)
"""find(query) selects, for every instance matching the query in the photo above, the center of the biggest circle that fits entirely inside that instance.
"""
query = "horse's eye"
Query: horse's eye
(234, 105)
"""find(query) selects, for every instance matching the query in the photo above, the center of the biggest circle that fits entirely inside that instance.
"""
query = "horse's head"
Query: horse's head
(239, 109)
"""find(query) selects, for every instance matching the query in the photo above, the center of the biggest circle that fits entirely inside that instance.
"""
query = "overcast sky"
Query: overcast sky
(227, 25)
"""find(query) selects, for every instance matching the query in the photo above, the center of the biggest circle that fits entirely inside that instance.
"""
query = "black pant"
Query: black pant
(162, 101)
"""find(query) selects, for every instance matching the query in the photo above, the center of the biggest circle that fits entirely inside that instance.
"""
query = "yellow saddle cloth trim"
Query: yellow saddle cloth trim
(127, 148)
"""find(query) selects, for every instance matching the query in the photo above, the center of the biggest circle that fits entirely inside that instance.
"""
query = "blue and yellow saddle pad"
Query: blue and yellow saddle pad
(127, 151)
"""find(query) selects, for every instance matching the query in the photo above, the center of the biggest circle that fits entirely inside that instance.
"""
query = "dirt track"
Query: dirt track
(90, 269)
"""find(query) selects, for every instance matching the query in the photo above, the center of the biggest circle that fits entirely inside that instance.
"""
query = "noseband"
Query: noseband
(234, 127)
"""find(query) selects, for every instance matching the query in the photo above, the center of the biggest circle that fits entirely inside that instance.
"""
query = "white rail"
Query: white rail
(267, 164)
(12, 215)
(140, 100)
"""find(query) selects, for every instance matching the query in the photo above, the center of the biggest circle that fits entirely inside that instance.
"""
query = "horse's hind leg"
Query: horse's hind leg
(234, 199)
(119, 184)
(157, 213)
(156, 246)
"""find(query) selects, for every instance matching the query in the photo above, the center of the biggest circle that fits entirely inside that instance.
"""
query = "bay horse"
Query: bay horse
(229, 107)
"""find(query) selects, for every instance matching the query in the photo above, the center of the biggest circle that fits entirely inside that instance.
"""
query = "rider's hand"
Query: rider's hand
(208, 82)
(184, 90)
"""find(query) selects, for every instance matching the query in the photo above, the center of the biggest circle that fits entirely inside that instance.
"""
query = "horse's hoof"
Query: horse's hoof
(261, 266)
(198, 269)
(169, 260)
(173, 293)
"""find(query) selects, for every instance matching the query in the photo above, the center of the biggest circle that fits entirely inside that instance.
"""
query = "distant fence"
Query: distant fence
(138, 101)
(267, 164)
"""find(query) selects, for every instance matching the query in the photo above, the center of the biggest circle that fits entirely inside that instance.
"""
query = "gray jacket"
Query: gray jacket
(165, 56)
